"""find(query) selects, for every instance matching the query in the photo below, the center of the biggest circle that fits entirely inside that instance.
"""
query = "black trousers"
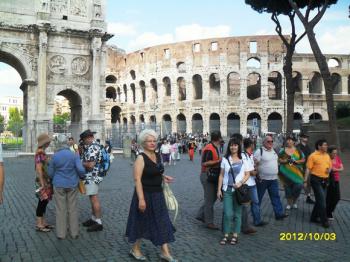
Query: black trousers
(41, 208)
(333, 197)
(319, 186)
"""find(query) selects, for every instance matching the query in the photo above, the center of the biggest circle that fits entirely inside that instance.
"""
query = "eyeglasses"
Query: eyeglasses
(269, 141)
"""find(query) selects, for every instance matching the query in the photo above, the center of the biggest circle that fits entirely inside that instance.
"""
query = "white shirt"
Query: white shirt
(249, 161)
(268, 163)
(1, 159)
(226, 166)
(165, 149)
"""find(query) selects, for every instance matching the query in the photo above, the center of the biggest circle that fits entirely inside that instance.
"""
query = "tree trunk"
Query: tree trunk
(328, 83)
(288, 73)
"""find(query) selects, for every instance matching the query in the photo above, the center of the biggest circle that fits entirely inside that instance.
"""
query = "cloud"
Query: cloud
(195, 31)
(10, 82)
(181, 33)
(149, 39)
(330, 42)
(121, 29)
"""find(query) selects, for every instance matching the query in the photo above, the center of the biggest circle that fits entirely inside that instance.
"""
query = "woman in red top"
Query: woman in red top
(333, 192)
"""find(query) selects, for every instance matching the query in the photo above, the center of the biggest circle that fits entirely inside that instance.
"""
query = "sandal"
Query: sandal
(50, 226)
(43, 229)
(234, 240)
(223, 241)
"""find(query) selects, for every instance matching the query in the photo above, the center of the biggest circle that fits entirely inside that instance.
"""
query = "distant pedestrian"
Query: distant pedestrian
(148, 216)
(191, 147)
(2, 177)
(42, 183)
(319, 166)
(165, 151)
(73, 146)
(333, 190)
(65, 168)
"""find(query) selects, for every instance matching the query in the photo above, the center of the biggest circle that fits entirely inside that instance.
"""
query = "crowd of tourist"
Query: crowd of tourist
(249, 167)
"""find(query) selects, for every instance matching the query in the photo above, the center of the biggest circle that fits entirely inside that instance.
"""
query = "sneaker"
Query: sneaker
(261, 224)
(295, 206)
(95, 227)
(89, 223)
(309, 200)
(288, 207)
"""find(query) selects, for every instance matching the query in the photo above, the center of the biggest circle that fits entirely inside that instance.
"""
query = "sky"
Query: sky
(137, 24)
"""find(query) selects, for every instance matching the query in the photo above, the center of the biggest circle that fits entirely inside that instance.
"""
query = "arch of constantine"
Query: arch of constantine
(223, 84)
(58, 47)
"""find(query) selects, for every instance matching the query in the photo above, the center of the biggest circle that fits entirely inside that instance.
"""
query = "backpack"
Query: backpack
(105, 162)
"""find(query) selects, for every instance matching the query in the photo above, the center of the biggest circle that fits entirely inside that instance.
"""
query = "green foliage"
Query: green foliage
(15, 122)
(282, 6)
(342, 110)
(61, 119)
(2, 123)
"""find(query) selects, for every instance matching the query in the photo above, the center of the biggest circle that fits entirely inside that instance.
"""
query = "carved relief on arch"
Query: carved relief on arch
(78, 8)
(59, 7)
(79, 65)
(57, 64)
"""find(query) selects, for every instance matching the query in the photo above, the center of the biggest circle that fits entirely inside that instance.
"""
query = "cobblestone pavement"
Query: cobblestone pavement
(20, 242)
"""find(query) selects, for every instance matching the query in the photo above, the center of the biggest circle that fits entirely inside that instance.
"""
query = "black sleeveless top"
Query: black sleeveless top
(152, 174)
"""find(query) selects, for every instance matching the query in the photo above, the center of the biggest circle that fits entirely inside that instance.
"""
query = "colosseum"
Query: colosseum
(233, 84)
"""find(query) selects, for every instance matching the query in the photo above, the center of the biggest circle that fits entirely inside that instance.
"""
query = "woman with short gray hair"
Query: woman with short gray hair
(148, 215)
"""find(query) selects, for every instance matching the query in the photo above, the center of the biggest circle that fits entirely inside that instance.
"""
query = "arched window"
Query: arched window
(338, 85)
(111, 93)
(125, 89)
(315, 84)
(181, 84)
(167, 86)
(197, 124)
(133, 74)
(214, 122)
(111, 79)
(143, 90)
(115, 112)
(214, 83)
(254, 86)
(253, 62)
(166, 125)
(181, 123)
(254, 124)
(275, 85)
(197, 87)
(297, 81)
(233, 124)
(297, 121)
(132, 86)
(154, 90)
(233, 84)
(274, 123)
(334, 63)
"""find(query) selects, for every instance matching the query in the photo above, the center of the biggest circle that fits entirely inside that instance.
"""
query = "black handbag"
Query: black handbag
(242, 193)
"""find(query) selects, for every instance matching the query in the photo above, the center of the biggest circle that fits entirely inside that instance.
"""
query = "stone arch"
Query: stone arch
(315, 117)
(181, 85)
(197, 87)
(111, 93)
(132, 124)
(181, 67)
(251, 129)
(338, 86)
(133, 91)
(233, 124)
(115, 113)
(297, 121)
(233, 84)
(152, 119)
(274, 122)
(125, 90)
(334, 63)
(214, 122)
(143, 90)
(111, 79)
(119, 94)
(181, 123)
(214, 84)
(133, 74)
(197, 124)
(253, 86)
(125, 124)
(166, 124)
(297, 81)
(167, 86)
(142, 118)
(154, 85)
(275, 85)
(315, 83)
(253, 62)
(76, 107)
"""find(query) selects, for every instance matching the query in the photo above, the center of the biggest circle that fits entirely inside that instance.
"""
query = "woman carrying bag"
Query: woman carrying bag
(233, 175)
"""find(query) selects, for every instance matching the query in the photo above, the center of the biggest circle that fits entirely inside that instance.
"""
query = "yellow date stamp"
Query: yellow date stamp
(303, 236)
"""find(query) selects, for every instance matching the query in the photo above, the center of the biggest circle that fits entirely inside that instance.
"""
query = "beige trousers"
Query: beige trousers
(66, 205)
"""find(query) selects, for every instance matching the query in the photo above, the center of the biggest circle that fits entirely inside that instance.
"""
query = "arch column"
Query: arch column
(223, 86)
(243, 125)
(206, 123)
(41, 105)
(305, 90)
(344, 85)
(223, 125)
(264, 126)
(173, 124)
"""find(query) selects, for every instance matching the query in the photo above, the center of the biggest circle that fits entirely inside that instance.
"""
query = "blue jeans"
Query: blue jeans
(319, 187)
(254, 205)
(272, 188)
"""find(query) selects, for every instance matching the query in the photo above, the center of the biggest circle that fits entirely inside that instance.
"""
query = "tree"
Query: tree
(2, 123)
(309, 24)
(15, 122)
(276, 8)
(61, 119)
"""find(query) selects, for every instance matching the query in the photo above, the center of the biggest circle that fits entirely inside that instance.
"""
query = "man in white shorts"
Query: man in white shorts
(91, 157)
